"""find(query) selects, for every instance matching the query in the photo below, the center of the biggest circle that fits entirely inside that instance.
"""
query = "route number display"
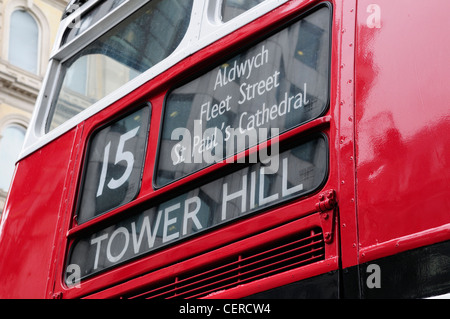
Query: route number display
(114, 165)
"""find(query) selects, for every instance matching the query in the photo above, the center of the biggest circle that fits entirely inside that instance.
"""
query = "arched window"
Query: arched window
(24, 41)
(11, 141)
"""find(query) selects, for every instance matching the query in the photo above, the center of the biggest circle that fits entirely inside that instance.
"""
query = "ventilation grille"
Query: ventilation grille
(269, 259)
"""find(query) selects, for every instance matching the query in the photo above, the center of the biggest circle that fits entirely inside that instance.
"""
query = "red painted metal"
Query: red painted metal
(402, 116)
(29, 222)
(389, 161)
(327, 208)
(345, 140)
(138, 283)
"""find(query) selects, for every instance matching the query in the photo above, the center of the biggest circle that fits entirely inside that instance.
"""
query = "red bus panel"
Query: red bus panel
(402, 115)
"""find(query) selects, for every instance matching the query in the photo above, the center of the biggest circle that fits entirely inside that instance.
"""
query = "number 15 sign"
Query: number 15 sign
(115, 161)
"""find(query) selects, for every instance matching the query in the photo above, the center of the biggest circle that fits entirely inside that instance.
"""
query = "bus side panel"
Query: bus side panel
(30, 218)
(402, 122)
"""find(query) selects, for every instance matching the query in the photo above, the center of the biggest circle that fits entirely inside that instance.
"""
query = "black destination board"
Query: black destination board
(300, 170)
(114, 165)
(274, 86)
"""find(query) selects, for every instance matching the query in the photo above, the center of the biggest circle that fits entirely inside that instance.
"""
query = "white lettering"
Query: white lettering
(211, 112)
(145, 229)
(191, 215)
(264, 200)
(265, 114)
(120, 230)
(218, 80)
(98, 241)
(243, 69)
(191, 309)
(285, 191)
(252, 190)
(242, 193)
(250, 91)
(168, 222)
(181, 152)
(270, 161)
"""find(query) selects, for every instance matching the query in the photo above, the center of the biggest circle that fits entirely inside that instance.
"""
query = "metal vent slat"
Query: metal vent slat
(241, 273)
(294, 265)
(247, 266)
(242, 269)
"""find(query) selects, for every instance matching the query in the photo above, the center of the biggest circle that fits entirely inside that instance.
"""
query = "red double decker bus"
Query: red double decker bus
(236, 149)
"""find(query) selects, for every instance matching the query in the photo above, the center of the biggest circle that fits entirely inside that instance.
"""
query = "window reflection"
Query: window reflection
(233, 8)
(11, 141)
(90, 18)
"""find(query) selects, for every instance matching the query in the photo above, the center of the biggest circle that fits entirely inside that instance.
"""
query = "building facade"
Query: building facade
(27, 31)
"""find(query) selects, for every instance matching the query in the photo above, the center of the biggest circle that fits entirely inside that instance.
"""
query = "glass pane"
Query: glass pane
(90, 18)
(132, 47)
(257, 187)
(233, 8)
(114, 166)
(11, 141)
(23, 41)
(276, 85)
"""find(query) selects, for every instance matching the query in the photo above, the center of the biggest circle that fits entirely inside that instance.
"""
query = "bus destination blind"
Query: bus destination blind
(296, 172)
(274, 86)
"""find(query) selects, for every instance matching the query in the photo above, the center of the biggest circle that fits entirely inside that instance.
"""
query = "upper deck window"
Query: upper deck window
(135, 45)
(233, 8)
(89, 19)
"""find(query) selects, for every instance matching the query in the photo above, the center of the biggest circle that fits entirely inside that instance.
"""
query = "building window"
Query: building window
(24, 41)
(11, 141)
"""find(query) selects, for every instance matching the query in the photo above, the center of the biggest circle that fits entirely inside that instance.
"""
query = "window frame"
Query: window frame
(225, 58)
(134, 108)
(131, 8)
(223, 8)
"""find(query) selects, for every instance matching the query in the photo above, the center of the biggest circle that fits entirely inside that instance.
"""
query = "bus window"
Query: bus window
(233, 8)
(271, 87)
(89, 19)
(132, 47)
(114, 165)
